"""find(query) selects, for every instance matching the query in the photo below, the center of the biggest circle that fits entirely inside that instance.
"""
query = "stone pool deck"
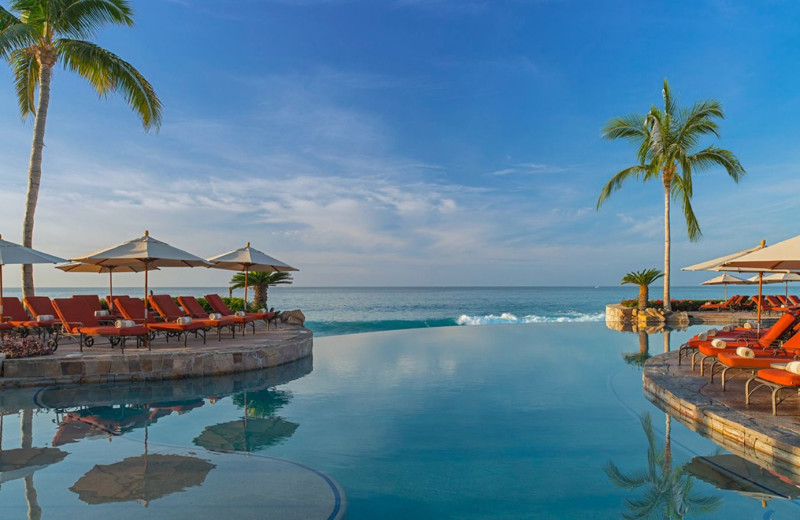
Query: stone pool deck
(166, 360)
(750, 431)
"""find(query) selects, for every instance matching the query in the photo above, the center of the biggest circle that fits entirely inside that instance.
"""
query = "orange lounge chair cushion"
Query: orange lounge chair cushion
(731, 359)
(108, 330)
(780, 377)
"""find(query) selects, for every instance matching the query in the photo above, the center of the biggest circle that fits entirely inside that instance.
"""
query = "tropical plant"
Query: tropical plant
(667, 492)
(667, 140)
(260, 282)
(35, 35)
(643, 279)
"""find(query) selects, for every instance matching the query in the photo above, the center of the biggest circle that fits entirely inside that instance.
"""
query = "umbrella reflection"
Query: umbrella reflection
(21, 462)
(144, 478)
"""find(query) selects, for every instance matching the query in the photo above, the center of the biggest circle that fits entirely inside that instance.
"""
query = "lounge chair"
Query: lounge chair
(77, 319)
(166, 307)
(794, 299)
(219, 306)
(133, 309)
(196, 311)
(14, 313)
(776, 379)
(39, 306)
(718, 306)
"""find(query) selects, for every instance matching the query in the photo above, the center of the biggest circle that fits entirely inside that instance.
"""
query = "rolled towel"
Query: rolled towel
(98, 314)
(121, 324)
(45, 317)
(793, 367)
(215, 316)
(727, 328)
(711, 333)
(262, 310)
(240, 314)
(702, 336)
(748, 325)
(745, 352)
(183, 320)
(718, 343)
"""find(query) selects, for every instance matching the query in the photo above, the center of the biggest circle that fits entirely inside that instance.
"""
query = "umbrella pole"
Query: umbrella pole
(146, 336)
(110, 292)
(760, 282)
(245, 290)
(1, 293)
(726, 290)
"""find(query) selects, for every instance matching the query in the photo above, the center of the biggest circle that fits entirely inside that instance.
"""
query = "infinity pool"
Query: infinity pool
(510, 421)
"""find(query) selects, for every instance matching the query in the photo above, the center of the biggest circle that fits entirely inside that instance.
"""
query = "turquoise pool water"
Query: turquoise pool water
(506, 422)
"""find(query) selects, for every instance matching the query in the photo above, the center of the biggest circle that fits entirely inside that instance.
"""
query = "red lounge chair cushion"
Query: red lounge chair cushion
(780, 377)
(732, 360)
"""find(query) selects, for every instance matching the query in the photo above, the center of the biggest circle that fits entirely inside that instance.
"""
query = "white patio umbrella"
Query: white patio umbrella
(726, 279)
(145, 252)
(783, 278)
(248, 259)
(110, 269)
(11, 253)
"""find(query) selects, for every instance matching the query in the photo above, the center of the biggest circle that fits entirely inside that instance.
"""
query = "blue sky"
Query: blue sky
(413, 142)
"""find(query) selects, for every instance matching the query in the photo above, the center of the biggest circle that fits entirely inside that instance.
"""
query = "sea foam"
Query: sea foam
(507, 317)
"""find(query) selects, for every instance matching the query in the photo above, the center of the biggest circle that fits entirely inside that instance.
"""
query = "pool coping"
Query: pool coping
(748, 431)
(263, 349)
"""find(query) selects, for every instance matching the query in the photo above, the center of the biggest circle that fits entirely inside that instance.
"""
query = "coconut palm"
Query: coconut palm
(35, 35)
(260, 282)
(668, 492)
(643, 279)
(667, 141)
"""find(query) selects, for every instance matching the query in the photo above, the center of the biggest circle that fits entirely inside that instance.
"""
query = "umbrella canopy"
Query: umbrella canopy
(783, 256)
(726, 279)
(783, 278)
(146, 252)
(144, 478)
(21, 462)
(246, 435)
(248, 259)
(11, 253)
(78, 267)
(737, 474)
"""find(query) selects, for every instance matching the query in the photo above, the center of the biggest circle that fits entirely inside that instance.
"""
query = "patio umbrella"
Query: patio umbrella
(726, 279)
(143, 478)
(784, 278)
(247, 434)
(737, 474)
(248, 259)
(146, 252)
(21, 462)
(99, 268)
(11, 253)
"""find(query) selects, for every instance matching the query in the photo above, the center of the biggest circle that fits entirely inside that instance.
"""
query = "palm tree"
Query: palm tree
(668, 492)
(667, 140)
(643, 279)
(260, 282)
(37, 34)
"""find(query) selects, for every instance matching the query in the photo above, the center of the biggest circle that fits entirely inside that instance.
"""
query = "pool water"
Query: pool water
(506, 422)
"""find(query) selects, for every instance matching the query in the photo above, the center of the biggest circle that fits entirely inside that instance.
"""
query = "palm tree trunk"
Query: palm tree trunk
(259, 296)
(35, 172)
(667, 303)
(644, 295)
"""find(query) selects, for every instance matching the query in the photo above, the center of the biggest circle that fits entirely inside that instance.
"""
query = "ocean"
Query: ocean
(333, 311)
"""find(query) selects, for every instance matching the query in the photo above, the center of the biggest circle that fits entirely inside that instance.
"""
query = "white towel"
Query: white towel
(262, 310)
(45, 317)
(98, 314)
(702, 336)
(745, 352)
(748, 325)
(183, 320)
(214, 316)
(793, 367)
(240, 314)
(711, 333)
(121, 324)
(727, 328)
(718, 343)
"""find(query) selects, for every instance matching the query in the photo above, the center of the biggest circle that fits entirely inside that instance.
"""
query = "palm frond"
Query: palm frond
(616, 181)
(713, 156)
(26, 78)
(624, 481)
(670, 103)
(692, 225)
(627, 127)
(107, 72)
(82, 18)
(15, 36)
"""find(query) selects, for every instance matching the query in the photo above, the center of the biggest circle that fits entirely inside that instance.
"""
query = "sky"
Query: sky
(412, 142)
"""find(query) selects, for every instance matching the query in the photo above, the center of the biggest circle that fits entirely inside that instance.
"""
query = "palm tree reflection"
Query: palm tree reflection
(667, 492)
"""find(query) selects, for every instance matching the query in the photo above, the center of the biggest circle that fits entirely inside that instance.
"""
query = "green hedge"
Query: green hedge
(677, 305)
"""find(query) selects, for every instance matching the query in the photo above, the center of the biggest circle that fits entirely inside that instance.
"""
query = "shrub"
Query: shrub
(677, 305)
(18, 347)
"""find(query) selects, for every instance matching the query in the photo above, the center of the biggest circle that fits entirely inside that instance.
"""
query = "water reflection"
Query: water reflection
(82, 412)
(659, 490)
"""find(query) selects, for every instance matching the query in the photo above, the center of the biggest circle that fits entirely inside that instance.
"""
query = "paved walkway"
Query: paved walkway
(749, 431)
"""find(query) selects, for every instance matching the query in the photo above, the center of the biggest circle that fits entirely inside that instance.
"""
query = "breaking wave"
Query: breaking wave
(507, 317)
